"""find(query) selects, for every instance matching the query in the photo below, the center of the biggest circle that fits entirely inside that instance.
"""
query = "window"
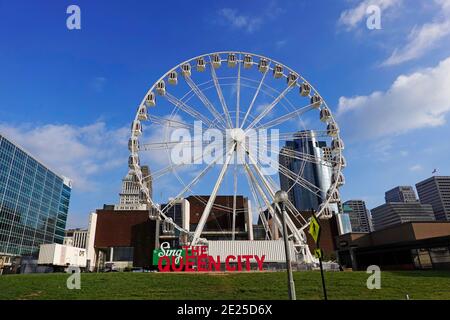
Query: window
(122, 253)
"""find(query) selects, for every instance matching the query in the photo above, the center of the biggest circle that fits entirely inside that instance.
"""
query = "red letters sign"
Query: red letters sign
(196, 259)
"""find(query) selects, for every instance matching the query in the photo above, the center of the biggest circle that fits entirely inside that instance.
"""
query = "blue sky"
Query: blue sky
(69, 96)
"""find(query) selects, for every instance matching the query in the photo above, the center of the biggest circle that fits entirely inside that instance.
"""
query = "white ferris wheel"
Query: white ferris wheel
(233, 94)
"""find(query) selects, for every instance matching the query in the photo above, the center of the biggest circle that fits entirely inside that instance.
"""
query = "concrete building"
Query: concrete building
(393, 213)
(436, 192)
(84, 239)
(91, 256)
(76, 238)
(401, 194)
(358, 214)
(123, 239)
(34, 203)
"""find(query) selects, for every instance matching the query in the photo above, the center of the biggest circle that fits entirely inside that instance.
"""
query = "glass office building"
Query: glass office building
(34, 202)
(317, 174)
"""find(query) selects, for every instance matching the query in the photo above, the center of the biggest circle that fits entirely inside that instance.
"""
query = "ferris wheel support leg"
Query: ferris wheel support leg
(261, 192)
(307, 255)
(233, 227)
(212, 198)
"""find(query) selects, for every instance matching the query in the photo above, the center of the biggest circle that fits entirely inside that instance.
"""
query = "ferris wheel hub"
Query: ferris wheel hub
(238, 135)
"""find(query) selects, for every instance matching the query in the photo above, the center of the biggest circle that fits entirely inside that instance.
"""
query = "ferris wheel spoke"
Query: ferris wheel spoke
(205, 100)
(256, 186)
(283, 167)
(295, 213)
(297, 179)
(260, 209)
(255, 96)
(301, 156)
(160, 173)
(257, 201)
(169, 145)
(286, 117)
(262, 215)
(238, 93)
(269, 108)
(166, 145)
(191, 184)
(220, 94)
(212, 197)
(188, 109)
(290, 224)
(297, 155)
(169, 122)
(294, 154)
(302, 135)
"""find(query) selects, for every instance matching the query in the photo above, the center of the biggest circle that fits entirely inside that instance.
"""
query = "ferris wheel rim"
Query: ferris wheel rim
(333, 187)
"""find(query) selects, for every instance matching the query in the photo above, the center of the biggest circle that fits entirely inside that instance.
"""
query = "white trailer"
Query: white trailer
(59, 255)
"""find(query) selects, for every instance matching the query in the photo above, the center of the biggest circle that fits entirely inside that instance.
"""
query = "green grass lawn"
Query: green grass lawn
(227, 286)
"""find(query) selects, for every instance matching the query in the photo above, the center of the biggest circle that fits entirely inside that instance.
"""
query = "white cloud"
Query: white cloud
(280, 44)
(420, 41)
(98, 83)
(352, 17)
(239, 21)
(78, 152)
(418, 100)
(425, 37)
(247, 22)
(416, 168)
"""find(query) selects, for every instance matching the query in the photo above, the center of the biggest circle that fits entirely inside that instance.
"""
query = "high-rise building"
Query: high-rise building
(316, 173)
(358, 214)
(436, 192)
(393, 213)
(131, 197)
(401, 194)
(34, 202)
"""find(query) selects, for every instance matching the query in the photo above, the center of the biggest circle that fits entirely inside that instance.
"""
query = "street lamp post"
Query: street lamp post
(280, 199)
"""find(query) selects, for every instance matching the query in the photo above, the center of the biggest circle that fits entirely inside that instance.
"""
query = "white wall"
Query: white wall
(90, 250)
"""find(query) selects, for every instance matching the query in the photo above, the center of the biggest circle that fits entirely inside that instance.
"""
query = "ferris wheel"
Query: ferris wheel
(235, 96)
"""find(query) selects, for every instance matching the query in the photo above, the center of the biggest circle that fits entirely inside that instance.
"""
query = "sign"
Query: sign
(318, 253)
(314, 228)
(196, 259)
(166, 251)
(314, 231)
